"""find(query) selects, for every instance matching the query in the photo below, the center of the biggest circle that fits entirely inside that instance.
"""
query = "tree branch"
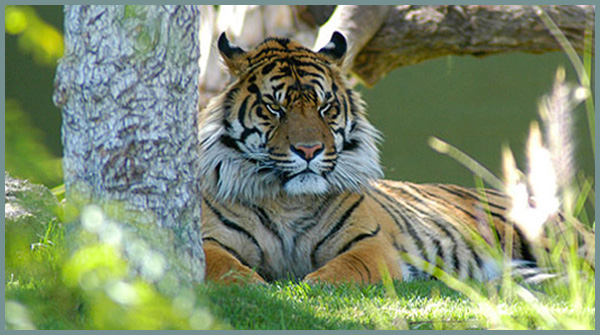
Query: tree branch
(357, 23)
(382, 38)
(412, 34)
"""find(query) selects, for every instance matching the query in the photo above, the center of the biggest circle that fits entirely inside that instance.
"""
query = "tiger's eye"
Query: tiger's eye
(275, 109)
(324, 108)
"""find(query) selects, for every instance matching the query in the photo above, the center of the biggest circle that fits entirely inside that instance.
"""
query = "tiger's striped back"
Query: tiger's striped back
(290, 240)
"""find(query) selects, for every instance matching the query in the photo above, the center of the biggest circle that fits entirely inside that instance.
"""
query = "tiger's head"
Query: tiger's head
(288, 125)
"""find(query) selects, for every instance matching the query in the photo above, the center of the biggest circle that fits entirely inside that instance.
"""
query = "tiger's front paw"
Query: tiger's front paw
(242, 277)
(222, 266)
(321, 276)
(366, 264)
(338, 272)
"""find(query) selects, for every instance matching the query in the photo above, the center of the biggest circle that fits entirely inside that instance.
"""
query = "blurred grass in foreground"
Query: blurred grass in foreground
(566, 240)
(89, 271)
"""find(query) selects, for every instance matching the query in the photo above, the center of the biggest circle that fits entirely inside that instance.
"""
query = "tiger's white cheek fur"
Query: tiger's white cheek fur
(236, 129)
(317, 165)
(253, 143)
(306, 183)
(339, 141)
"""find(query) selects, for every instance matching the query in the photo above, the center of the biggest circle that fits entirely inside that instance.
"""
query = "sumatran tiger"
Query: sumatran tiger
(291, 186)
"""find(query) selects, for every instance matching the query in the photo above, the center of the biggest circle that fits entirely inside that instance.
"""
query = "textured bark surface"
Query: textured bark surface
(127, 86)
(415, 33)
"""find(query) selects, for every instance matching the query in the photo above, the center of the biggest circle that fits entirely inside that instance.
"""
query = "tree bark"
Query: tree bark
(127, 86)
(414, 33)
(358, 23)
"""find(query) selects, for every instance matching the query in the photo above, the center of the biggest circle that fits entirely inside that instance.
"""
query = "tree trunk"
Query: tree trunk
(127, 86)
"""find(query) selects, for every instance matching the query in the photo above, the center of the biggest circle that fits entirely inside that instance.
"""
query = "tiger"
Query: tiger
(292, 184)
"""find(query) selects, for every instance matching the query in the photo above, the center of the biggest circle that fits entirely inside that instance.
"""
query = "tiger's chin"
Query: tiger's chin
(306, 184)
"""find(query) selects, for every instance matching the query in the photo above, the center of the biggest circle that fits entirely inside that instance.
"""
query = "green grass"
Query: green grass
(32, 278)
(429, 304)
(38, 283)
(283, 305)
(287, 305)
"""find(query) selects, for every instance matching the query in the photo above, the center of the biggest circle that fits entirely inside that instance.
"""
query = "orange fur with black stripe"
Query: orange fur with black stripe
(291, 188)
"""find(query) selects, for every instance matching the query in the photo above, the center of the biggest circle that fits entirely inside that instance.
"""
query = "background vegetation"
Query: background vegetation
(34, 43)
(476, 105)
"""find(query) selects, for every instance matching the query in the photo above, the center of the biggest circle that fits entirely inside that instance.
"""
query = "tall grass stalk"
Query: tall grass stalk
(587, 64)
(536, 199)
(582, 68)
(468, 162)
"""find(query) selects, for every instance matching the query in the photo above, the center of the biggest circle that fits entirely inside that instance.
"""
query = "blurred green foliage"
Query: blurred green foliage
(27, 155)
(35, 36)
(26, 150)
(116, 296)
(80, 272)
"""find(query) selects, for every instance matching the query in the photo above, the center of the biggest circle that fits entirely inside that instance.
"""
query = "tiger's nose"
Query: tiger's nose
(307, 151)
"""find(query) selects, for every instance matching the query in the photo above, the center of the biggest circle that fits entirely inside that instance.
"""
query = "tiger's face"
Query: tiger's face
(288, 123)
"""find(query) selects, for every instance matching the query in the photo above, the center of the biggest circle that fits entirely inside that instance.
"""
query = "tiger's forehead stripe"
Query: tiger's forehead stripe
(309, 83)
(303, 62)
(274, 50)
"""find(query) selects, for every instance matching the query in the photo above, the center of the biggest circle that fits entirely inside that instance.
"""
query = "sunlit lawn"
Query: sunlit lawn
(418, 305)
(50, 304)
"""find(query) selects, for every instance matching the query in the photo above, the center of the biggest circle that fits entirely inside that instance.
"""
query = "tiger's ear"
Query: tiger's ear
(232, 55)
(336, 48)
